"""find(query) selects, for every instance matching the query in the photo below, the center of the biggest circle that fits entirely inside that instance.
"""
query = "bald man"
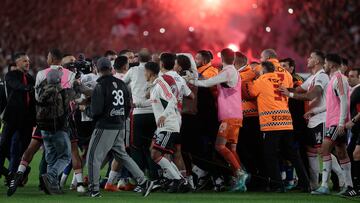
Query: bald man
(284, 75)
(144, 124)
(267, 54)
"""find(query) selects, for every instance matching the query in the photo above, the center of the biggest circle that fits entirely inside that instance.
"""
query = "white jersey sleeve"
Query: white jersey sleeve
(222, 77)
(322, 80)
(127, 76)
(341, 87)
(306, 84)
(39, 78)
(318, 104)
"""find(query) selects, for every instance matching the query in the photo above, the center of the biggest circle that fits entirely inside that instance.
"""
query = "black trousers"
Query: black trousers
(250, 150)
(355, 165)
(189, 139)
(84, 129)
(352, 144)
(276, 142)
(14, 148)
(143, 128)
(198, 136)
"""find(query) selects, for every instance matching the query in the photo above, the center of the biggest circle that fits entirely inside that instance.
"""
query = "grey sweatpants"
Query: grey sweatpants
(102, 142)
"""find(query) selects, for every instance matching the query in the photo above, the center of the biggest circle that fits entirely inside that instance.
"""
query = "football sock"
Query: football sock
(314, 168)
(335, 166)
(346, 166)
(169, 171)
(326, 170)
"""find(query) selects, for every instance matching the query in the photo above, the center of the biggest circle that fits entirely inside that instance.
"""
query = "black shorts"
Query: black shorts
(142, 130)
(73, 133)
(165, 141)
(37, 135)
(84, 131)
(358, 140)
(331, 134)
(188, 132)
(315, 135)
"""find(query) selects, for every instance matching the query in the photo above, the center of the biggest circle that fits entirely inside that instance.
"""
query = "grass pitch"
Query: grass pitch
(30, 193)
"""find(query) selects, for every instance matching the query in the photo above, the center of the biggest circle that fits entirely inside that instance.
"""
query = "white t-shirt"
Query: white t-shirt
(136, 78)
(320, 79)
(164, 103)
(183, 88)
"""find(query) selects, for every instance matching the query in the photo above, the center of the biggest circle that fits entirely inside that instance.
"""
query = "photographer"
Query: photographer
(69, 62)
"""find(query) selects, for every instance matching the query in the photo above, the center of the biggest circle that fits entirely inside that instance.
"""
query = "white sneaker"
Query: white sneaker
(199, 172)
(80, 189)
(190, 180)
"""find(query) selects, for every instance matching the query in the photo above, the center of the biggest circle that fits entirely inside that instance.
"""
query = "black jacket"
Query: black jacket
(354, 107)
(2, 96)
(297, 109)
(110, 103)
(17, 112)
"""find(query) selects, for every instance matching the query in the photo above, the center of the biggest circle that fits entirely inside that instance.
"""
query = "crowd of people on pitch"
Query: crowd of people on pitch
(174, 122)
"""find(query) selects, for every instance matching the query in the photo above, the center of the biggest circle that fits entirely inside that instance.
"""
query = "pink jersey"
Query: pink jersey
(229, 101)
(66, 78)
(336, 88)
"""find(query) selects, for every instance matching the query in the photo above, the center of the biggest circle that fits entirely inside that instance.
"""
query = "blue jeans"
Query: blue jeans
(57, 153)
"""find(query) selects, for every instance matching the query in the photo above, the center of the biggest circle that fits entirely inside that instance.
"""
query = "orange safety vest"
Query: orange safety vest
(249, 104)
(284, 75)
(273, 108)
(207, 71)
